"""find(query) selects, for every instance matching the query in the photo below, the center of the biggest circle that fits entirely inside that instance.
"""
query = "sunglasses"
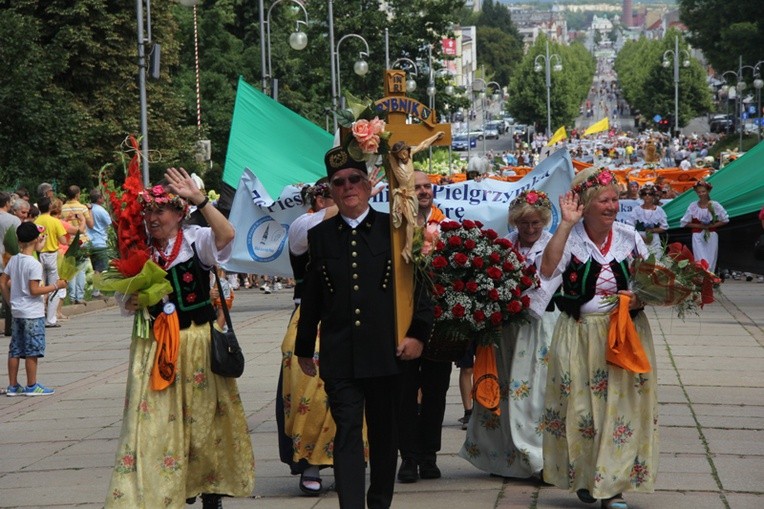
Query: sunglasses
(353, 179)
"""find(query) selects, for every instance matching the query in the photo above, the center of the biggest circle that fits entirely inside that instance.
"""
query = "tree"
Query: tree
(725, 30)
(87, 51)
(649, 87)
(569, 86)
(499, 52)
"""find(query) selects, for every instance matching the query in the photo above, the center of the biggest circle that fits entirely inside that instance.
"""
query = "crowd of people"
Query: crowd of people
(567, 416)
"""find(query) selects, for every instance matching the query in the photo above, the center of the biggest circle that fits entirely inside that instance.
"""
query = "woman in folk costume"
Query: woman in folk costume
(600, 422)
(184, 432)
(649, 219)
(509, 444)
(305, 424)
(704, 217)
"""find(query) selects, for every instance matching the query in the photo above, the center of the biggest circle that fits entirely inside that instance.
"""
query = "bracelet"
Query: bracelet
(204, 202)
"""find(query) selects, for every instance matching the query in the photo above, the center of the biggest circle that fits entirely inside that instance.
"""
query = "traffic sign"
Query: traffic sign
(744, 116)
(657, 118)
(752, 110)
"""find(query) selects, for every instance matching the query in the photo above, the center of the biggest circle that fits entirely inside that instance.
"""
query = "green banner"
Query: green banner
(739, 187)
(276, 143)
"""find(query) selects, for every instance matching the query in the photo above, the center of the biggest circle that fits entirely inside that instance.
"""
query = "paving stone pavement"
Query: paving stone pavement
(58, 451)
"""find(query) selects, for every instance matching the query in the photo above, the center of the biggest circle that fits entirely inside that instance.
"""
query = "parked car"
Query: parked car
(494, 125)
(721, 124)
(460, 141)
(476, 132)
(491, 131)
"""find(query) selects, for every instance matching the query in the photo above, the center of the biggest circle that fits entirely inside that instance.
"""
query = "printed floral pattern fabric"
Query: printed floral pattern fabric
(509, 444)
(187, 439)
(600, 422)
(307, 418)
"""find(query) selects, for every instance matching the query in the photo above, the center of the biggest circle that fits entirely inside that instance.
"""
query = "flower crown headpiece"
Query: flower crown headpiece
(703, 183)
(156, 197)
(602, 177)
(532, 197)
(317, 190)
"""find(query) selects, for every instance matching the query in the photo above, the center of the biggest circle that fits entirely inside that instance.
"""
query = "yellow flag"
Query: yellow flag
(602, 125)
(558, 135)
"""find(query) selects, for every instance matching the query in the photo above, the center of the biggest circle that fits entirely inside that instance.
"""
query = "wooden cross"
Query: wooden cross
(422, 126)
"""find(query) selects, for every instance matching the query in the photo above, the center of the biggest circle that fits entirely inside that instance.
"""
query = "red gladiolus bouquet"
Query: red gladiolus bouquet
(478, 281)
(133, 271)
(674, 279)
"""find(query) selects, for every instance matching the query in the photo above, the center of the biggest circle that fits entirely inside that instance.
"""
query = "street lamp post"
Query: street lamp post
(361, 67)
(143, 40)
(297, 40)
(547, 58)
(478, 87)
(758, 83)
(410, 82)
(736, 93)
(685, 63)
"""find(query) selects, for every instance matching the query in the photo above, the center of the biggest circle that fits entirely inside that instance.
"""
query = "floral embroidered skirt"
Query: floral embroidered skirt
(187, 439)
(509, 444)
(600, 422)
(307, 418)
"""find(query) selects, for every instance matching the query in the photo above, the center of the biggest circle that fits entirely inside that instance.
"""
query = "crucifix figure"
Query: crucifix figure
(403, 206)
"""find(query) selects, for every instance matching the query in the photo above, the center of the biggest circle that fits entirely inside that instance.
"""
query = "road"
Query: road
(58, 451)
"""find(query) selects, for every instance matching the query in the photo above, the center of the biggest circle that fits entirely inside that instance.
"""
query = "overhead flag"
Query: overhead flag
(559, 134)
(597, 127)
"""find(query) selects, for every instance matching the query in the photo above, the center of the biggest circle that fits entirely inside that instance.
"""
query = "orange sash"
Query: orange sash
(624, 348)
(167, 334)
(436, 215)
(486, 389)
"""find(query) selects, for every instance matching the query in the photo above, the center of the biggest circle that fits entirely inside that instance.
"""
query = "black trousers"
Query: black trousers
(348, 397)
(420, 431)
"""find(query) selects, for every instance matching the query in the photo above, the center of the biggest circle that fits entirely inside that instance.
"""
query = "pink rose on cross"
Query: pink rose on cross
(362, 130)
(377, 126)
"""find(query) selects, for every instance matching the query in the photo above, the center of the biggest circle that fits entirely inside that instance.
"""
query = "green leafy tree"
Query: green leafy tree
(649, 87)
(725, 30)
(569, 87)
(87, 50)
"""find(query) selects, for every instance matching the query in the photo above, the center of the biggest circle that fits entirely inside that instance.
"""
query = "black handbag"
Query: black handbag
(226, 357)
(758, 248)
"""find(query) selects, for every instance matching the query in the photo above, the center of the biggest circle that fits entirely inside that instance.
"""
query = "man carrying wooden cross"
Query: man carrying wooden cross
(349, 290)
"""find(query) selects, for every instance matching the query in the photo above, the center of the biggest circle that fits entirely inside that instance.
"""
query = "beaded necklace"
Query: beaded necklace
(166, 261)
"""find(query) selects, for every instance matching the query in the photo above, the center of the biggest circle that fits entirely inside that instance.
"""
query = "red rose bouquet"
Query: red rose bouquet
(478, 282)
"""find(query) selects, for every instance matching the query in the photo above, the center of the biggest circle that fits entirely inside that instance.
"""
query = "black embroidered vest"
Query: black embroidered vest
(190, 283)
(579, 283)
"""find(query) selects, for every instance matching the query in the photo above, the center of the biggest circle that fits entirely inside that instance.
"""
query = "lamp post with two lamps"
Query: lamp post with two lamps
(547, 59)
(685, 63)
(297, 40)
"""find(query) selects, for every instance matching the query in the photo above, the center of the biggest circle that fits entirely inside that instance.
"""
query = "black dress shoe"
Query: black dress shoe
(429, 470)
(212, 501)
(408, 471)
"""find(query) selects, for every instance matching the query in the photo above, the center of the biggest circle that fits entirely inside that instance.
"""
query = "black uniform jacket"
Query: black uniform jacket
(349, 290)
